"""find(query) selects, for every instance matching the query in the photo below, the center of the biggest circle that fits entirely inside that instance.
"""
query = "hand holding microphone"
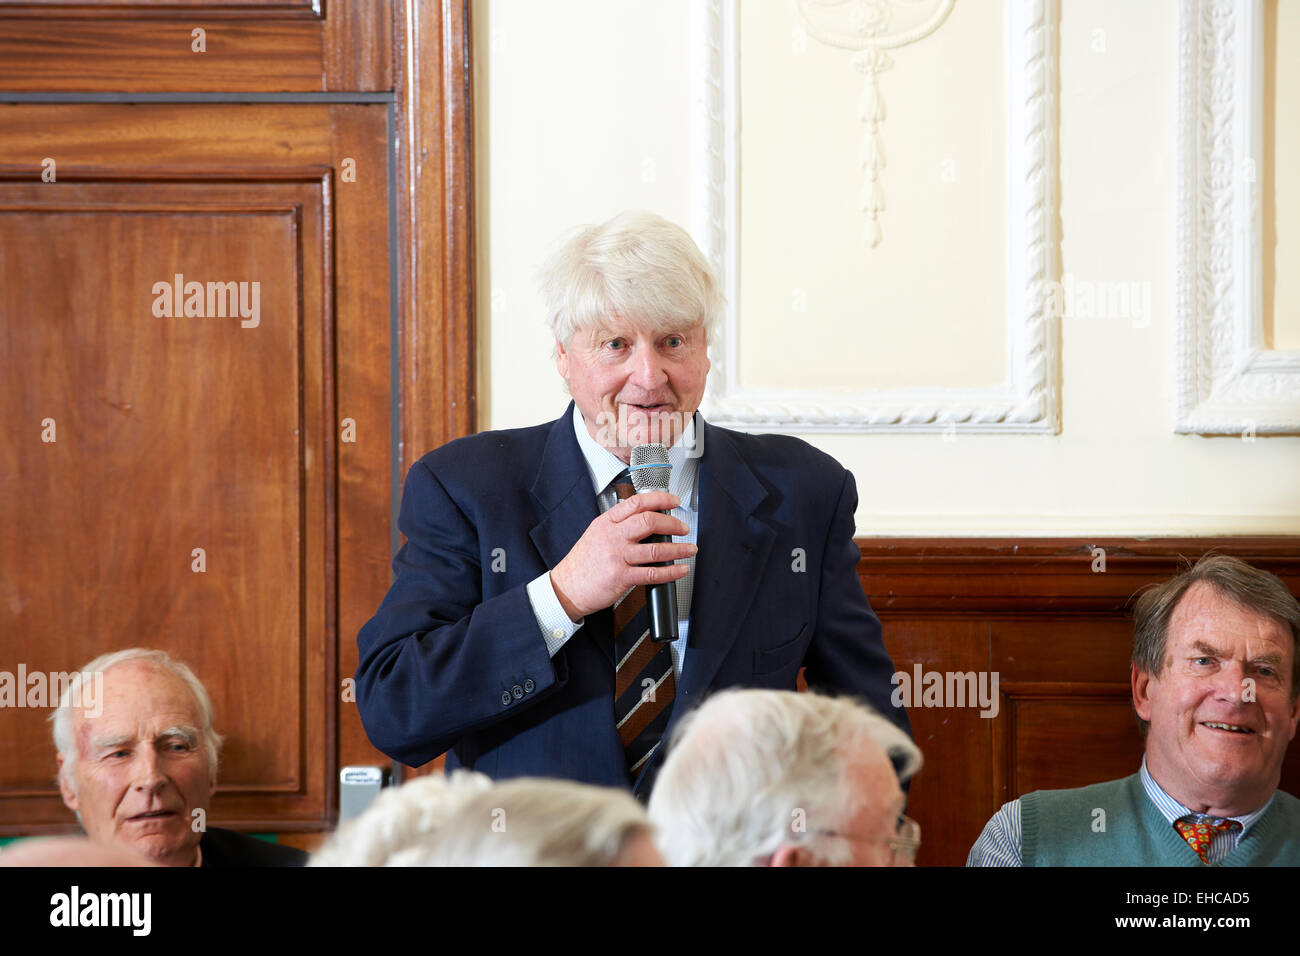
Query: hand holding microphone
(629, 544)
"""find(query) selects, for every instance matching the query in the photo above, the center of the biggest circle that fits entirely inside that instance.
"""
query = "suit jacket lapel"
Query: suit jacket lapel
(734, 547)
(565, 501)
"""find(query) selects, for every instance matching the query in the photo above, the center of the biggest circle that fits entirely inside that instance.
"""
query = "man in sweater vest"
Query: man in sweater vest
(1216, 677)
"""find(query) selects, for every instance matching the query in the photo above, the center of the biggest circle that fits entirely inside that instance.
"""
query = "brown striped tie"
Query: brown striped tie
(644, 683)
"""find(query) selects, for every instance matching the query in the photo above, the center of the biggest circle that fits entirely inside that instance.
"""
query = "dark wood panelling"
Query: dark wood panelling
(358, 45)
(1058, 634)
(135, 9)
(271, 46)
(178, 433)
(434, 227)
(289, 45)
(1036, 574)
(952, 740)
(435, 235)
(175, 433)
(364, 395)
(1055, 735)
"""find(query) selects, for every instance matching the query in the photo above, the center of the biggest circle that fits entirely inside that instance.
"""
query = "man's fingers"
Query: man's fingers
(646, 523)
(647, 501)
(654, 553)
(649, 574)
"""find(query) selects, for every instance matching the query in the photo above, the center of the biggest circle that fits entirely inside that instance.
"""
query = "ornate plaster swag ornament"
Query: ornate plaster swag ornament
(864, 27)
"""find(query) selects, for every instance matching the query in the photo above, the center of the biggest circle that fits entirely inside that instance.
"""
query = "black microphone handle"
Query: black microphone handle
(661, 599)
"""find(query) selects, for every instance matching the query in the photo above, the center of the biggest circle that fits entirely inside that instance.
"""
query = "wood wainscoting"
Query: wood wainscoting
(1056, 630)
(180, 476)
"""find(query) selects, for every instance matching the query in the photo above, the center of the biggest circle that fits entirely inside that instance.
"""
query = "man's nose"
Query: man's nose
(1230, 681)
(146, 771)
(648, 367)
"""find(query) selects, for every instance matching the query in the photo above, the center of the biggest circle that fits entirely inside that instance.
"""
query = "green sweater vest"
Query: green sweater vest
(1057, 829)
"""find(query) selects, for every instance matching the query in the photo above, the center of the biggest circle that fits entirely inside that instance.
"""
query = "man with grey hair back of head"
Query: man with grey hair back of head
(396, 829)
(516, 637)
(537, 822)
(776, 778)
(139, 767)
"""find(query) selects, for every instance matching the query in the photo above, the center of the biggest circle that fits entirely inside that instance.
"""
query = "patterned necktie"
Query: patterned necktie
(644, 684)
(1200, 831)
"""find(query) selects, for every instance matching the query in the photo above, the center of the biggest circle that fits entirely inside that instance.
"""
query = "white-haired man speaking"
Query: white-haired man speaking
(515, 636)
(775, 778)
(139, 768)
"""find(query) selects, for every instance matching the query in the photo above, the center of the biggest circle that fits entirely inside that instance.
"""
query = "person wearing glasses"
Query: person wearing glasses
(777, 778)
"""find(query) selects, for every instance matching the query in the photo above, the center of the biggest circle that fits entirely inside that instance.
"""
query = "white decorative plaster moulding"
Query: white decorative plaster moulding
(867, 28)
(1027, 401)
(1227, 381)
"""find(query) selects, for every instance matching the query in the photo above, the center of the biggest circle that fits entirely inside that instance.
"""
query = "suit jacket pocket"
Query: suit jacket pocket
(772, 659)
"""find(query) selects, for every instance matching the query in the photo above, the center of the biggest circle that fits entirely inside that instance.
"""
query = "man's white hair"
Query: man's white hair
(637, 266)
(396, 828)
(64, 740)
(752, 770)
(535, 822)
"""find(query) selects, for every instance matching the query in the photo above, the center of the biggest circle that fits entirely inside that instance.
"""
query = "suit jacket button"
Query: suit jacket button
(517, 691)
(529, 687)
(505, 698)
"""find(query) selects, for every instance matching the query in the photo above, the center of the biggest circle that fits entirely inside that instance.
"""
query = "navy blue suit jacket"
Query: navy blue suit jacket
(454, 661)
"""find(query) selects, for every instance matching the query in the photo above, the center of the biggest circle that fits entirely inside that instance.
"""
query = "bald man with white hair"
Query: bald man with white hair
(139, 767)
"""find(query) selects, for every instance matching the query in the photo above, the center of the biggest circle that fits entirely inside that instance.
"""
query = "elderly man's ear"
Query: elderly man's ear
(561, 360)
(69, 794)
(791, 854)
(1141, 684)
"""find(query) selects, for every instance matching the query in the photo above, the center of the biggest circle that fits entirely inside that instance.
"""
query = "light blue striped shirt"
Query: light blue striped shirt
(604, 466)
(999, 844)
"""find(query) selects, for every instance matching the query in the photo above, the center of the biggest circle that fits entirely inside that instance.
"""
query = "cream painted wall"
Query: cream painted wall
(582, 109)
(1281, 186)
(804, 258)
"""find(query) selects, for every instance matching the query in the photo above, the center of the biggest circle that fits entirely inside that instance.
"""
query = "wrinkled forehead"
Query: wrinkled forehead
(1207, 617)
(138, 699)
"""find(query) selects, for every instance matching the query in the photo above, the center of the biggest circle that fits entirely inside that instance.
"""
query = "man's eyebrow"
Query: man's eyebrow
(100, 743)
(188, 734)
(1272, 660)
(1268, 660)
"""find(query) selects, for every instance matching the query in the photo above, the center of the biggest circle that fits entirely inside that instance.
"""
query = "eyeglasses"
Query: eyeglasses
(902, 846)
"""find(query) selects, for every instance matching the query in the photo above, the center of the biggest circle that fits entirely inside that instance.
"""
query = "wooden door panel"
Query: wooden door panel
(246, 45)
(198, 431)
(182, 503)
(1061, 735)
(953, 740)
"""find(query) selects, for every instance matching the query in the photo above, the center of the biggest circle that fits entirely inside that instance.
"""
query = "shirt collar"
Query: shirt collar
(1172, 810)
(603, 466)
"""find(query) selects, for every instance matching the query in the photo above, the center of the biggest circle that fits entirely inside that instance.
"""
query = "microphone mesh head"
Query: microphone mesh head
(650, 479)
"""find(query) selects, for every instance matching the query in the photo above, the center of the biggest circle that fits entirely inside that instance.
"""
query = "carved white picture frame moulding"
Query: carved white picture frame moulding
(1227, 382)
(1027, 401)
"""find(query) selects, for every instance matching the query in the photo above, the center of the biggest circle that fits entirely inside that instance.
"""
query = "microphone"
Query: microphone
(650, 471)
